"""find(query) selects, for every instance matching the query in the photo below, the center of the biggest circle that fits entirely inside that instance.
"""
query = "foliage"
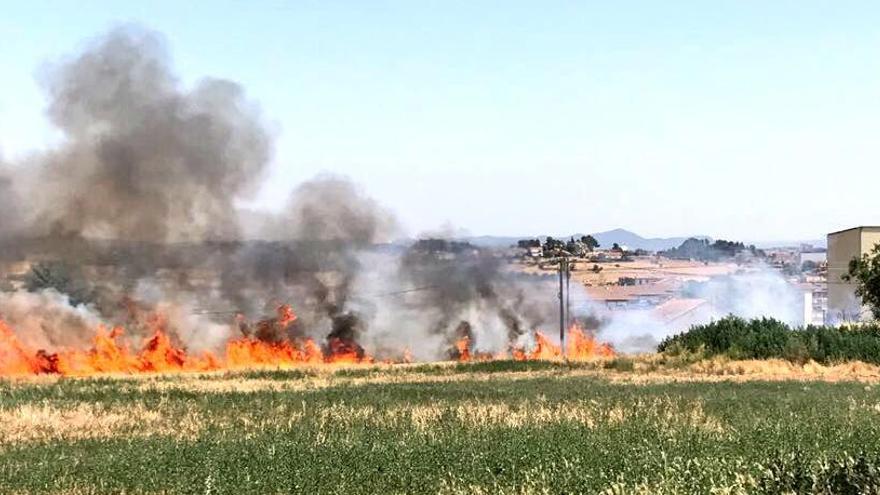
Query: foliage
(528, 243)
(508, 428)
(62, 277)
(703, 250)
(796, 472)
(590, 242)
(578, 247)
(809, 266)
(434, 246)
(766, 338)
(551, 244)
(865, 272)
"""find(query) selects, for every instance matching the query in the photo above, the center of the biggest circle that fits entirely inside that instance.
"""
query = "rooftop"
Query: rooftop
(676, 308)
(863, 227)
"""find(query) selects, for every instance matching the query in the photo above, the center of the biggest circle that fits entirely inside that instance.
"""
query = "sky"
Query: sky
(749, 120)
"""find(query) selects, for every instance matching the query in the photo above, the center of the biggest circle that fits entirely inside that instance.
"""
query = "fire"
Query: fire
(580, 345)
(463, 347)
(159, 354)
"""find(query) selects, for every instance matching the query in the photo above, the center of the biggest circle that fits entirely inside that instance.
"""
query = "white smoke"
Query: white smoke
(758, 293)
(47, 319)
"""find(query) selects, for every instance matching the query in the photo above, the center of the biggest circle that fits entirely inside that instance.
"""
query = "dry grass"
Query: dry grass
(476, 415)
(646, 369)
(48, 422)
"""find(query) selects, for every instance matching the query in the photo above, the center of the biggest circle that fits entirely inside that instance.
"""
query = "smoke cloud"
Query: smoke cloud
(762, 292)
(144, 158)
(10, 209)
(133, 221)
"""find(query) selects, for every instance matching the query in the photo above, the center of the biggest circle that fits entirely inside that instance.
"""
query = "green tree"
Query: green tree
(551, 244)
(865, 272)
(590, 242)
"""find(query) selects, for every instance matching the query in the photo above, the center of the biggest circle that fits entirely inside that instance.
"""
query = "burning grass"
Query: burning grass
(484, 427)
(159, 354)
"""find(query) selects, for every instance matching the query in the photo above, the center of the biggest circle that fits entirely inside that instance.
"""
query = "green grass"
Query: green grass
(476, 428)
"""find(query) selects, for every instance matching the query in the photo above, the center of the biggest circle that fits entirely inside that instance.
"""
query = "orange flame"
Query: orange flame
(159, 354)
(463, 347)
(580, 345)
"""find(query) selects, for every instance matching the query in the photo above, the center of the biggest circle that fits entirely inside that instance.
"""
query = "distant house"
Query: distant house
(633, 296)
(535, 252)
(815, 302)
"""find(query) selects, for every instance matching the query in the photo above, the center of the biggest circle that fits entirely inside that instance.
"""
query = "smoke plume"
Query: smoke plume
(134, 219)
(10, 210)
(144, 158)
(761, 292)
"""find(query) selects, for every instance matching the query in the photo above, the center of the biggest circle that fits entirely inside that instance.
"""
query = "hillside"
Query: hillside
(606, 239)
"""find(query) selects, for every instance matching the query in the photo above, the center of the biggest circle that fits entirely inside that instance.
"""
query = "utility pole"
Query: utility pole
(567, 294)
(564, 277)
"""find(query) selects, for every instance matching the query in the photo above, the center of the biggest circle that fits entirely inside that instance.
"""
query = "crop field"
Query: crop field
(499, 427)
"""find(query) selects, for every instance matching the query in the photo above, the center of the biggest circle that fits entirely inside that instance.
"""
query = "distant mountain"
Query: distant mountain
(634, 241)
(606, 240)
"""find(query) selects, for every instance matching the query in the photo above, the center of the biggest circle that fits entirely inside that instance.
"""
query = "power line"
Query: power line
(383, 294)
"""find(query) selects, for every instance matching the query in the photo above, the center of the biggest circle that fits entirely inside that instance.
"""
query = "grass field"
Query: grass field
(499, 427)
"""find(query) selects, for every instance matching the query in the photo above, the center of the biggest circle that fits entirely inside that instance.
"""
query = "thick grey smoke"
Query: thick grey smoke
(144, 158)
(144, 164)
(135, 214)
(10, 209)
(313, 259)
(332, 209)
(456, 279)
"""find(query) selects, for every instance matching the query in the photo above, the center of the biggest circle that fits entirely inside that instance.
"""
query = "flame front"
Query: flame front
(580, 345)
(158, 354)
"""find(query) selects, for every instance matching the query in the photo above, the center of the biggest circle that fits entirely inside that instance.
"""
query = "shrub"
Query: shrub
(765, 338)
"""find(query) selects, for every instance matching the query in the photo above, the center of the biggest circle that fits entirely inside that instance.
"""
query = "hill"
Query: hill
(606, 239)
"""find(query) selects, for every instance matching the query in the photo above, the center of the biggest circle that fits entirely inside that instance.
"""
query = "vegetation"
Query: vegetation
(551, 244)
(865, 272)
(581, 247)
(703, 250)
(528, 243)
(809, 266)
(499, 427)
(62, 277)
(590, 242)
(765, 338)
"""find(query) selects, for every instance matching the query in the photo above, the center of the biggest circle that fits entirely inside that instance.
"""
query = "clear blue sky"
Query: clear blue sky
(754, 120)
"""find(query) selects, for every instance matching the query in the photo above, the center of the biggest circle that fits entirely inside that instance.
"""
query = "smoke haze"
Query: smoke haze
(135, 213)
(143, 158)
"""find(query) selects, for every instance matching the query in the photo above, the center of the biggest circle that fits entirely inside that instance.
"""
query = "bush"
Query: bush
(765, 338)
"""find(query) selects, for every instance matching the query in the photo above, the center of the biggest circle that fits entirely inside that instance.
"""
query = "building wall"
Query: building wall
(843, 305)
